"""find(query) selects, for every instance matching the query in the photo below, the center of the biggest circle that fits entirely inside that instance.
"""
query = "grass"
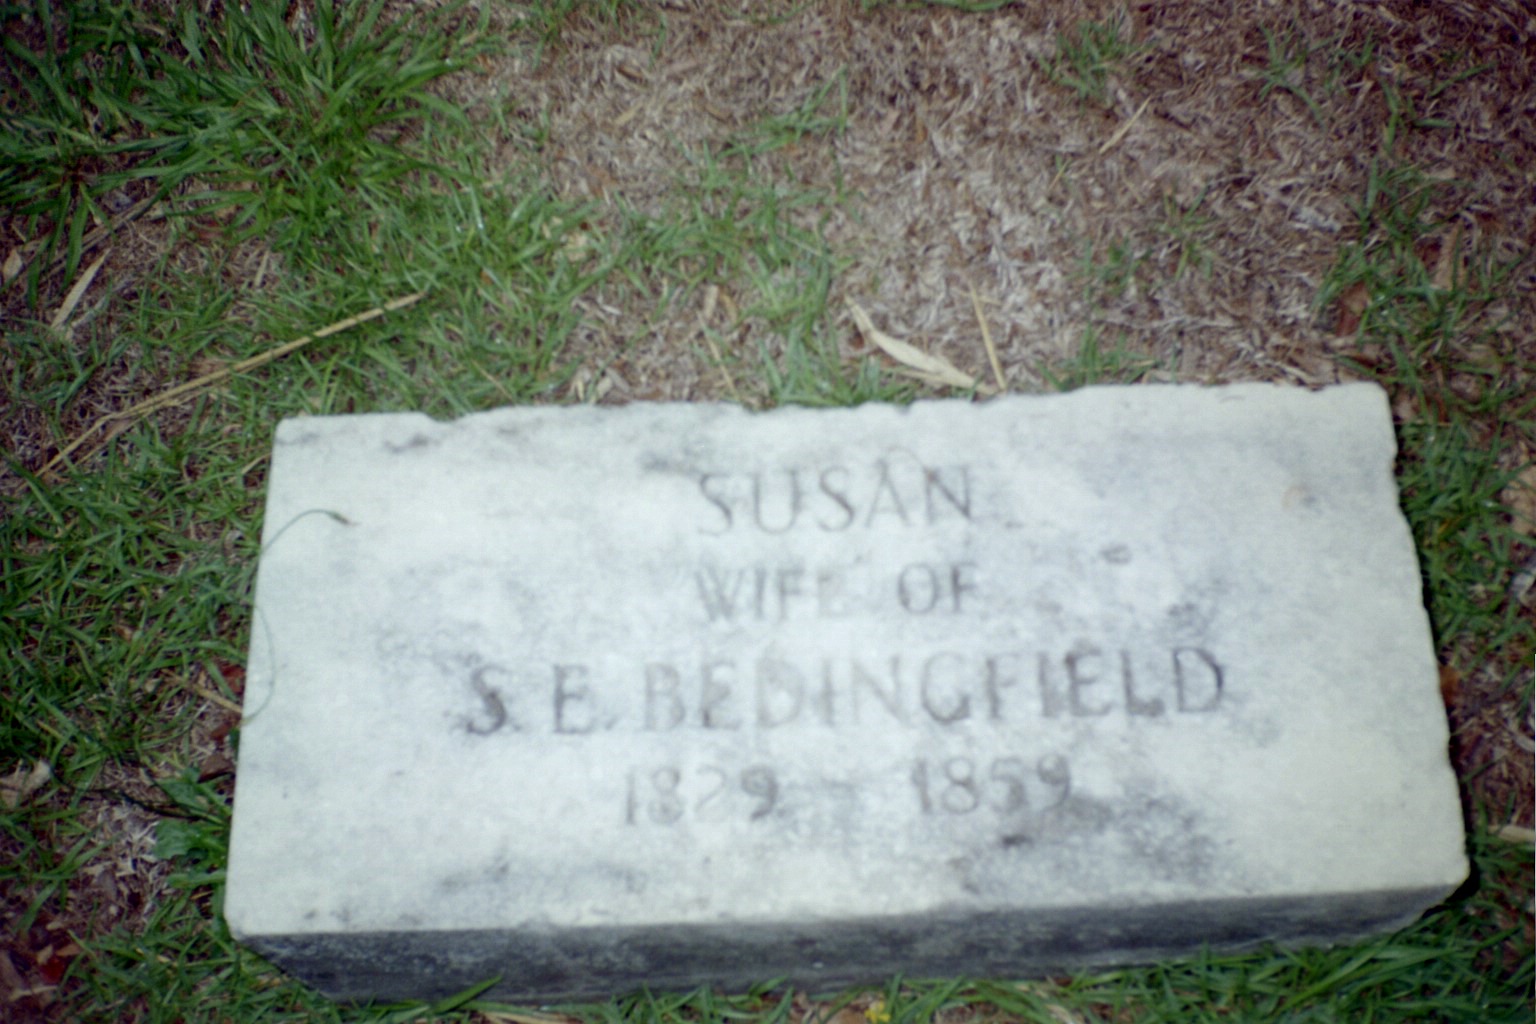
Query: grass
(257, 126)
(1179, 244)
(824, 113)
(329, 177)
(1088, 55)
(1093, 363)
(1108, 275)
(1183, 235)
(1469, 403)
(1289, 59)
(736, 219)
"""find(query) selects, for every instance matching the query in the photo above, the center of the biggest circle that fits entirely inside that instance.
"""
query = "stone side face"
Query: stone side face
(593, 698)
(597, 963)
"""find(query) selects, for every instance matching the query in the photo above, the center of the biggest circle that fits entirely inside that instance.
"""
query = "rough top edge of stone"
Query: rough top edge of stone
(1101, 394)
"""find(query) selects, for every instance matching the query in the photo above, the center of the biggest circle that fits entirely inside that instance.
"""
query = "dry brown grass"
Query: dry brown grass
(972, 167)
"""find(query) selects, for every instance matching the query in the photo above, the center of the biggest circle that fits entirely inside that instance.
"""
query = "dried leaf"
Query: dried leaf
(924, 367)
(16, 787)
(52, 972)
(1524, 742)
(823, 1013)
(1516, 834)
(1351, 308)
(14, 265)
(1520, 498)
(591, 386)
(1043, 993)
(214, 766)
(628, 115)
(1522, 588)
(234, 676)
(1448, 265)
(1450, 684)
(1114, 140)
(525, 1017)
(12, 983)
(67, 307)
(225, 726)
(986, 339)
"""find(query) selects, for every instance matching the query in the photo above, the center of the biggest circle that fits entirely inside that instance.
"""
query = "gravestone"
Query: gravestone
(584, 699)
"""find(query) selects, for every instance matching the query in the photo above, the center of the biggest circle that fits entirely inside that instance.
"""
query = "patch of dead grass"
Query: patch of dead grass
(969, 166)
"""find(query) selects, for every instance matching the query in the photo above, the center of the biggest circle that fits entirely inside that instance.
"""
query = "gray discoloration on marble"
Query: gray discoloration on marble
(590, 698)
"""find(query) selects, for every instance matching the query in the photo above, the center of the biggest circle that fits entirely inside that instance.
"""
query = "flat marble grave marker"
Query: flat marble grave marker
(586, 699)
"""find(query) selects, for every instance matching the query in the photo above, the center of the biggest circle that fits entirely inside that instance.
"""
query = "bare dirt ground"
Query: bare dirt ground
(970, 167)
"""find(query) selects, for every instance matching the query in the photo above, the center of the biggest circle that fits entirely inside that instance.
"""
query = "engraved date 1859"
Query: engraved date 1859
(963, 785)
(667, 795)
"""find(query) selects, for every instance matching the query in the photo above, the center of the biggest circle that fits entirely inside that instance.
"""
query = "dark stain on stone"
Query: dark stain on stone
(416, 441)
(1116, 554)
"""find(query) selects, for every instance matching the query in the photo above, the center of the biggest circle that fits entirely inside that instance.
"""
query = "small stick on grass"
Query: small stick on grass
(986, 339)
(1114, 140)
(72, 300)
(1109, 143)
(711, 297)
(114, 423)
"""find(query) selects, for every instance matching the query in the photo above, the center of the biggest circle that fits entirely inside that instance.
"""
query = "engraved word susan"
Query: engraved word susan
(834, 498)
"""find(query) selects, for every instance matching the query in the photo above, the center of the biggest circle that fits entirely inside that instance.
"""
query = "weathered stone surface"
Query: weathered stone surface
(590, 698)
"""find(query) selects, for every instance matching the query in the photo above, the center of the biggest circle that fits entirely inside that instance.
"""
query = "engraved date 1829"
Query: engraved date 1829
(667, 795)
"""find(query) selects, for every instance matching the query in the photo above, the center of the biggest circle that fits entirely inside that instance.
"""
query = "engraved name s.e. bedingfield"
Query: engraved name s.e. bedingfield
(585, 699)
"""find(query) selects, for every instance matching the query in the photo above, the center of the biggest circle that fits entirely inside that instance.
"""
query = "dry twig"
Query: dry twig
(914, 362)
(986, 339)
(711, 298)
(113, 423)
(67, 307)
(1119, 133)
